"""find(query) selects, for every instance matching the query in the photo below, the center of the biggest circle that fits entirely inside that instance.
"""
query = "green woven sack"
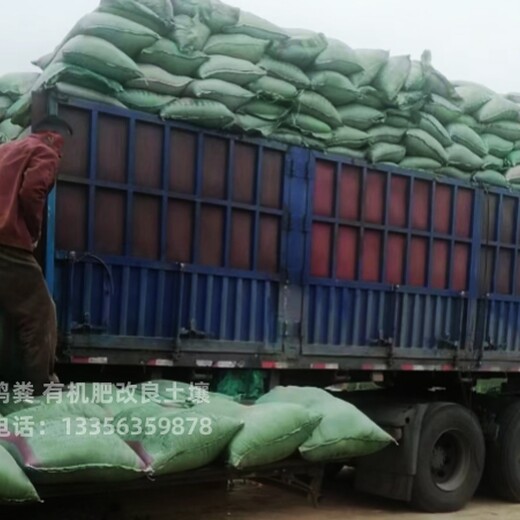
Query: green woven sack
(498, 146)
(200, 112)
(66, 90)
(233, 70)
(229, 94)
(128, 36)
(338, 89)
(144, 100)
(101, 57)
(513, 159)
(319, 107)
(238, 46)
(410, 101)
(416, 78)
(55, 411)
(285, 71)
(5, 103)
(509, 130)
(217, 15)
(360, 116)
(386, 152)
(301, 48)
(349, 152)
(420, 163)
(190, 34)
(262, 440)
(265, 110)
(513, 176)
(10, 131)
(492, 177)
(159, 81)
(392, 76)
(273, 89)
(470, 121)
(154, 14)
(349, 137)
(309, 125)
(372, 61)
(338, 57)
(498, 109)
(287, 136)
(473, 97)
(167, 55)
(461, 157)
(371, 97)
(16, 84)
(421, 144)
(344, 431)
(442, 109)
(464, 135)
(254, 125)
(399, 121)
(491, 162)
(455, 173)
(183, 440)
(15, 487)
(256, 27)
(386, 134)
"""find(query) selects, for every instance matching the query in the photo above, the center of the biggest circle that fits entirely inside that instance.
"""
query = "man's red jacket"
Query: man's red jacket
(28, 170)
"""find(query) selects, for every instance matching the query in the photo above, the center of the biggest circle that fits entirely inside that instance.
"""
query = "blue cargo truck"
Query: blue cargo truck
(178, 252)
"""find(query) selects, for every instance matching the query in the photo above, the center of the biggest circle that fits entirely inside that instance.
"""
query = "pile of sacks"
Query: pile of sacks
(43, 441)
(206, 63)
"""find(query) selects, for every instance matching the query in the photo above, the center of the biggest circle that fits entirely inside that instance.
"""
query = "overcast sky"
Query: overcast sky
(476, 40)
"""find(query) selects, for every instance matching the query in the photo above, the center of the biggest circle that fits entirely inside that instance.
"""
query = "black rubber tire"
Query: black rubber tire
(503, 458)
(451, 442)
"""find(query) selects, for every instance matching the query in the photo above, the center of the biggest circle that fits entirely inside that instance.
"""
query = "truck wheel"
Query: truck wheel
(503, 461)
(450, 461)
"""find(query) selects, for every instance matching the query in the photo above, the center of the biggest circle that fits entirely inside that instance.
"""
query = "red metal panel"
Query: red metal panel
(372, 256)
(421, 205)
(508, 225)
(272, 175)
(347, 253)
(443, 209)
(464, 213)
(395, 259)
(460, 267)
(183, 159)
(350, 192)
(398, 201)
(321, 250)
(179, 232)
(71, 217)
(241, 226)
(75, 160)
(214, 168)
(440, 264)
(146, 227)
(375, 197)
(324, 189)
(112, 149)
(489, 217)
(211, 236)
(268, 248)
(418, 261)
(109, 230)
(505, 262)
(244, 173)
(148, 155)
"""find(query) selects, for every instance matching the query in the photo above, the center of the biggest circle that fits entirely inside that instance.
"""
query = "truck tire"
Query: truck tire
(450, 460)
(503, 460)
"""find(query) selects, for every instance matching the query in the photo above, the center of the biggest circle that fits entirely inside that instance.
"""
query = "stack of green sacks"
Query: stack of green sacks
(213, 65)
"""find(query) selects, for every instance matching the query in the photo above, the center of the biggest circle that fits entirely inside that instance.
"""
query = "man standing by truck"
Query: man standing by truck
(28, 170)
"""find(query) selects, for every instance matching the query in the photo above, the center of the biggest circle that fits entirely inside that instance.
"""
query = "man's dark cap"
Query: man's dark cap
(52, 124)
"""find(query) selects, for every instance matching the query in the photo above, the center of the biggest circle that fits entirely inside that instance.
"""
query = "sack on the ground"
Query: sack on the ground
(372, 61)
(317, 106)
(432, 126)
(461, 157)
(442, 109)
(338, 57)
(498, 146)
(420, 163)
(338, 89)
(189, 33)
(386, 152)
(360, 116)
(392, 76)
(100, 56)
(15, 487)
(490, 176)
(238, 46)
(231, 95)
(419, 143)
(159, 81)
(167, 55)
(273, 89)
(16, 84)
(199, 111)
(464, 135)
(286, 71)
(344, 431)
(233, 70)
(386, 134)
(301, 48)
